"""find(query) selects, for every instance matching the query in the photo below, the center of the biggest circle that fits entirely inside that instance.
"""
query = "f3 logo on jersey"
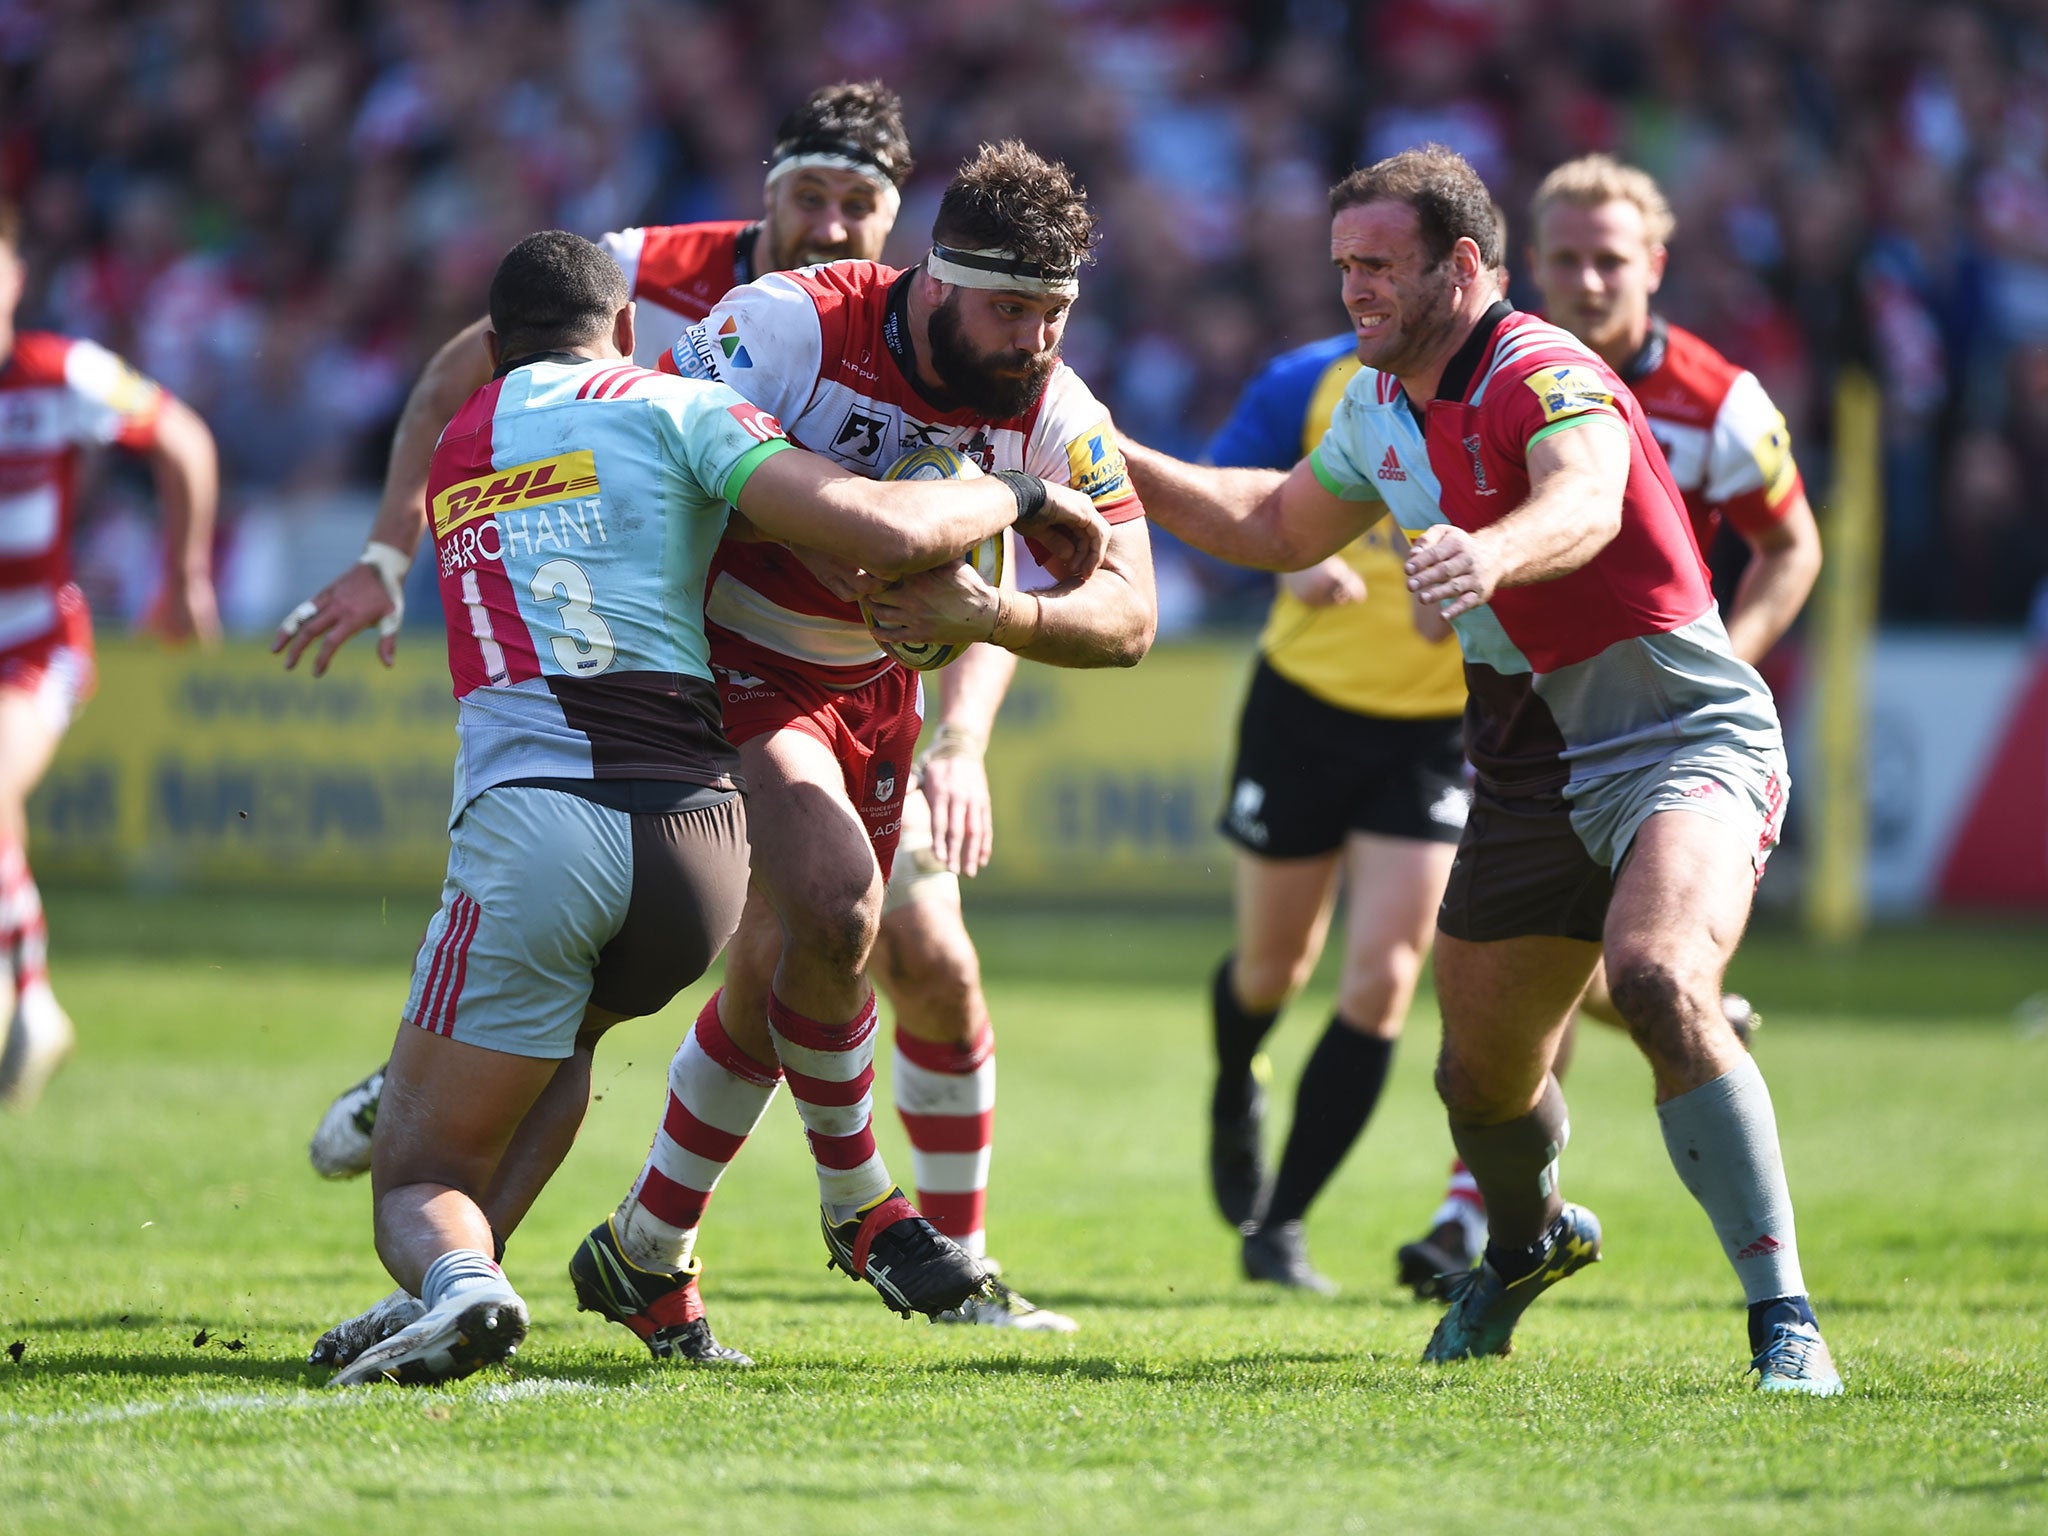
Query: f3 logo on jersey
(562, 478)
(860, 436)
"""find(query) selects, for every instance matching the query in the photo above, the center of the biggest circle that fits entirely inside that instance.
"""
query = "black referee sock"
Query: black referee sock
(1339, 1087)
(1238, 1035)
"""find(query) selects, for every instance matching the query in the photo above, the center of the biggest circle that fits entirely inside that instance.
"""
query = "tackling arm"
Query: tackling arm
(1255, 517)
(895, 527)
(1784, 564)
(187, 471)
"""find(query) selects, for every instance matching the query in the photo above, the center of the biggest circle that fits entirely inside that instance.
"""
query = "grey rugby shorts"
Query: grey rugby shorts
(553, 902)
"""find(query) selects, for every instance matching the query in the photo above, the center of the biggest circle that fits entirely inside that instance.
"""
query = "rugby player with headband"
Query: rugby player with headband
(923, 956)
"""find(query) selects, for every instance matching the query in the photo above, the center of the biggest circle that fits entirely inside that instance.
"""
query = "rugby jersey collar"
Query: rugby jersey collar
(1650, 356)
(1459, 371)
(570, 358)
(896, 337)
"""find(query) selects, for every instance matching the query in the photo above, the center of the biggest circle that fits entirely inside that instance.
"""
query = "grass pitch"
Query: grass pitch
(166, 1258)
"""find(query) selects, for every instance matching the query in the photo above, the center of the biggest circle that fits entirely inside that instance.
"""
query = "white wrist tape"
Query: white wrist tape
(952, 741)
(390, 564)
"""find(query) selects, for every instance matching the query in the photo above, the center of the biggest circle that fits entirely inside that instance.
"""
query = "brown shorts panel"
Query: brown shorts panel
(689, 883)
(1521, 871)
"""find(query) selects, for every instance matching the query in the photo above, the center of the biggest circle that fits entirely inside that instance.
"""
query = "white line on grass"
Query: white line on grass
(300, 1402)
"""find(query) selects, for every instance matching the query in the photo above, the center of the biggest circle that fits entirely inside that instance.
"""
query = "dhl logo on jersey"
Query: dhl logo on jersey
(562, 478)
(1569, 392)
(1095, 465)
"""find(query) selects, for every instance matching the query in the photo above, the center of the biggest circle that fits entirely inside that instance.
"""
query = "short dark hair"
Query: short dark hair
(862, 119)
(1451, 203)
(1010, 198)
(10, 224)
(552, 290)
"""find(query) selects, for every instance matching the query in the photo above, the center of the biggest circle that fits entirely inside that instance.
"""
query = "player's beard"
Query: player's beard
(1428, 315)
(971, 378)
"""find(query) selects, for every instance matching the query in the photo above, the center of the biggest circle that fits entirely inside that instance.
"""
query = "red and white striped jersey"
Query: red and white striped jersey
(1727, 444)
(826, 351)
(675, 273)
(57, 396)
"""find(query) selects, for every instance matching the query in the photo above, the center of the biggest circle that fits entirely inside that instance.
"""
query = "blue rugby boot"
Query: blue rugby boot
(1795, 1358)
(1485, 1308)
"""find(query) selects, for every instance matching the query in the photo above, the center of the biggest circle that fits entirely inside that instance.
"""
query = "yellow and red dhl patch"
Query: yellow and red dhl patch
(1095, 465)
(562, 478)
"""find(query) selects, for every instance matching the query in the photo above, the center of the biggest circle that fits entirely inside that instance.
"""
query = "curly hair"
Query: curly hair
(1451, 203)
(1009, 198)
(864, 116)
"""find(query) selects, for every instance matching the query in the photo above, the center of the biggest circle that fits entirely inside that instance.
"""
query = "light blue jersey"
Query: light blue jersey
(575, 508)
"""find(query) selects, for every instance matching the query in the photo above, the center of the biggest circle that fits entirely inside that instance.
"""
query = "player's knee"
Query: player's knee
(835, 917)
(1374, 994)
(1264, 983)
(1456, 1086)
(1653, 996)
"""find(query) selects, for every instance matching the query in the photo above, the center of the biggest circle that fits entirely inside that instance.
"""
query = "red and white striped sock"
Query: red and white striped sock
(716, 1096)
(831, 1073)
(1464, 1205)
(946, 1095)
(24, 938)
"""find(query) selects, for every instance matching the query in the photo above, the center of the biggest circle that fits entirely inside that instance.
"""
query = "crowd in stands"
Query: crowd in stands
(280, 207)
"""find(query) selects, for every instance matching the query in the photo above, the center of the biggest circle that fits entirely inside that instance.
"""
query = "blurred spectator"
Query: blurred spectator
(281, 209)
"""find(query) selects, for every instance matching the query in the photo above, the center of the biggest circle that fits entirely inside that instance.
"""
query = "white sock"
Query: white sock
(651, 1243)
(457, 1270)
(1723, 1140)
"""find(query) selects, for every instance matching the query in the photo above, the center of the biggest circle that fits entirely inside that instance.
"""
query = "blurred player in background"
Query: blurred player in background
(1350, 774)
(1598, 254)
(864, 363)
(59, 396)
(590, 747)
(1630, 770)
(832, 193)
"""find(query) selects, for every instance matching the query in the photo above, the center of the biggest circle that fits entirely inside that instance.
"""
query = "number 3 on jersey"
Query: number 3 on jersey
(585, 651)
(591, 649)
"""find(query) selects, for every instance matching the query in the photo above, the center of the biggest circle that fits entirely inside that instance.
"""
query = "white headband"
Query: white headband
(1001, 270)
(891, 198)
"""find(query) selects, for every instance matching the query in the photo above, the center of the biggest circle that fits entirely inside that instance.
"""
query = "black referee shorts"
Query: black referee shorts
(1309, 773)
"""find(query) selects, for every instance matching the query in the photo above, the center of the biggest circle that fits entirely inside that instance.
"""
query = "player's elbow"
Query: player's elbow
(1136, 647)
(184, 444)
(1132, 641)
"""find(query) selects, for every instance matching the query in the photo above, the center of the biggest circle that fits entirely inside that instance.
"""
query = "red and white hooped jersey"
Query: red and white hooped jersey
(57, 396)
(826, 351)
(675, 273)
(1727, 444)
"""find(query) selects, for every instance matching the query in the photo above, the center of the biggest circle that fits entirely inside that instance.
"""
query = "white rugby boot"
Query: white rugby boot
(341, 1144)
(475, 1325)
(39, 1038)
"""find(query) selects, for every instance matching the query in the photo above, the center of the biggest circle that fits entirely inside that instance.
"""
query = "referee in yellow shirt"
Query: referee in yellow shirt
(1350, 775)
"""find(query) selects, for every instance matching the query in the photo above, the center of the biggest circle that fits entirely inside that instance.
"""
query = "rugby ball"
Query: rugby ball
(934, 463)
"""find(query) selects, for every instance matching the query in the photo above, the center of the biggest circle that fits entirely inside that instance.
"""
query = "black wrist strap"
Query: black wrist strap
(1029, 491)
